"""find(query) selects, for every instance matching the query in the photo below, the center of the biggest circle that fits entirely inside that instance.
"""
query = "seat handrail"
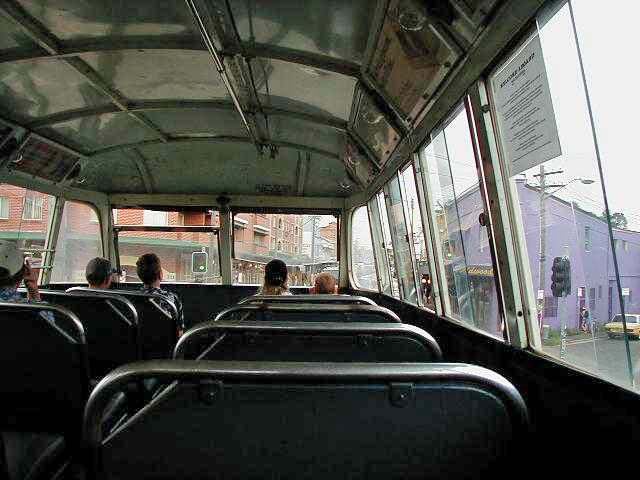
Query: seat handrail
(207, 329)
(307, 298)
(309, 307)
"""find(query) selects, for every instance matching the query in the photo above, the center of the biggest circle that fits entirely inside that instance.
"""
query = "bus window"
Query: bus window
(400, 241)
(416, 236)
(387, 244)
(456, 203)
(363, 266)
(380, 254)
(79, 240)
(24, 219)
(178, 238)
(308, 244)
(557, 199)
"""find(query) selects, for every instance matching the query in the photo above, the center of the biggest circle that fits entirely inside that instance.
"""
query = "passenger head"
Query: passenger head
(12, 266)
(275, 278)
(149, 269)
(325, 284)
(99, 273)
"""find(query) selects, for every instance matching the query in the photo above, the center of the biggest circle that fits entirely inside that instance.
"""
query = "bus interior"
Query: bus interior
(458, 166)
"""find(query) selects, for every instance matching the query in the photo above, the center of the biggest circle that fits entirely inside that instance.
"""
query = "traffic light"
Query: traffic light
(199, 262)
(561, 277)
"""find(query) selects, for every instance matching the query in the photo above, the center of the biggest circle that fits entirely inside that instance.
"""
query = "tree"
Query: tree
(618, 220)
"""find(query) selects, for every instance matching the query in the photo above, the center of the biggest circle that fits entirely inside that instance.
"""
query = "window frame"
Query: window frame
(8, 205)
(34, 199)
(352, 277)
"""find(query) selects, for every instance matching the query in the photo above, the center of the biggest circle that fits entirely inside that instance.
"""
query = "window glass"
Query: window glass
(308, 244)
(448, 163)
(400, 241)
(32, 207)
(387, 244)
(151, 217)
(559, 205)
(29, 235)
(380, 253)
(416, 236)
(79, 240)
(175, 249)
(362, 260)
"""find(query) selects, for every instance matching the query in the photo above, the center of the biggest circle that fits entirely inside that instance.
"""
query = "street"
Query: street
(605, 357)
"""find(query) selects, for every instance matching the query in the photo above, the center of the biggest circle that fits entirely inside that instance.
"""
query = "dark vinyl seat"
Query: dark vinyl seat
(158, 327)
(110, 323)
(308, 298)
(309, 312)
(308, 342)
(229, 420)
(44, 388)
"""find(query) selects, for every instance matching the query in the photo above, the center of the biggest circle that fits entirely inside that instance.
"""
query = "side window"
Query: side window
(456, 202)
(363, 265)
(400, 241)
(79, 240)
(387, 244)
(417, 237)
(380, 254)
(27, 229)
(556, 195)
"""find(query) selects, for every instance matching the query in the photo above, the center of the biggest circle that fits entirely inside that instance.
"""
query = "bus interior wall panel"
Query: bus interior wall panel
(573, 414)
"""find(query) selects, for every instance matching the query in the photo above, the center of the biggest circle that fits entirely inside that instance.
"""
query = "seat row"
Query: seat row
(247, 395)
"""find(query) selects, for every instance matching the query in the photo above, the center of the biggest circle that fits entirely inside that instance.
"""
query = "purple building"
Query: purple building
(569, 230)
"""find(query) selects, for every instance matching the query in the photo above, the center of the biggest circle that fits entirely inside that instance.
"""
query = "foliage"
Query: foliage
(618, 219)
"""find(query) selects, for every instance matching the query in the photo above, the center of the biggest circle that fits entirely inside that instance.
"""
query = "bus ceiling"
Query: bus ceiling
(250, 99)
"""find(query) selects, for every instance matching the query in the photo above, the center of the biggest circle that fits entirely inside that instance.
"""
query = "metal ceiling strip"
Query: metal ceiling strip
(301, 174)
(51, 44)
(141, 164)
(220, 67)
(144, 105)
(212, 139)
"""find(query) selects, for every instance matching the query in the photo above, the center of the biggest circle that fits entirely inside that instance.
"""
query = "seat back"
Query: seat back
(158, 326)
(45, 369)
(308, 342)
(110, 323)
(225, 420)
(309, 312)
(308, 298)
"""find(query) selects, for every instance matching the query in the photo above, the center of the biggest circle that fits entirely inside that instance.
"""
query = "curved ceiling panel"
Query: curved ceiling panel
(42, 87)
(11, 36)
(203, 121)
(100, 131)
(112, 172)
(286, 129)
(159, 74)
(82, 19)
(205, 167)
(297, 87)
(342, 32)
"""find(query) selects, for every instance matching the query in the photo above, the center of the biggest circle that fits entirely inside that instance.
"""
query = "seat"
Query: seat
(308, 298)
(309, 312)
(158, 327)
(222, 420)
(308, 342)
(45, 384)
(110, 323)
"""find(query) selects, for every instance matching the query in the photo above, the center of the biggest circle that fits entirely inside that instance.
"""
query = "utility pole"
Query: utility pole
(543, 239)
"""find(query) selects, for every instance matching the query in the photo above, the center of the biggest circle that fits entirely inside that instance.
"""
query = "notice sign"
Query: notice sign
(524, 110)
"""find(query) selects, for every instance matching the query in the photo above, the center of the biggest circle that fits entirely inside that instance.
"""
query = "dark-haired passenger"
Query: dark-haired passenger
(150, 273)
(275, 279)
(99, 273)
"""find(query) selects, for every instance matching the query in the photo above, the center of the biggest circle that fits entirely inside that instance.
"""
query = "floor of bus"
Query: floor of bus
(577, 419)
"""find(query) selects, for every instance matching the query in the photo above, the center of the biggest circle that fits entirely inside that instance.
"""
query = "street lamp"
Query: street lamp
(543, 238)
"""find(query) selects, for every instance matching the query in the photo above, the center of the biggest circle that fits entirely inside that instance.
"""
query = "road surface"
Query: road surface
(605, 357)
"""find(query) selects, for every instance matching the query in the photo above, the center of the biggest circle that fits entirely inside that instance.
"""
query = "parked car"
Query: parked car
(615, 329)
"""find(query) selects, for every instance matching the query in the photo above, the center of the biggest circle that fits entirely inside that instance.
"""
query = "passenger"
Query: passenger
(325, 284)
(99, 273)
(13, 271)
(150, 272)
(275, 279)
